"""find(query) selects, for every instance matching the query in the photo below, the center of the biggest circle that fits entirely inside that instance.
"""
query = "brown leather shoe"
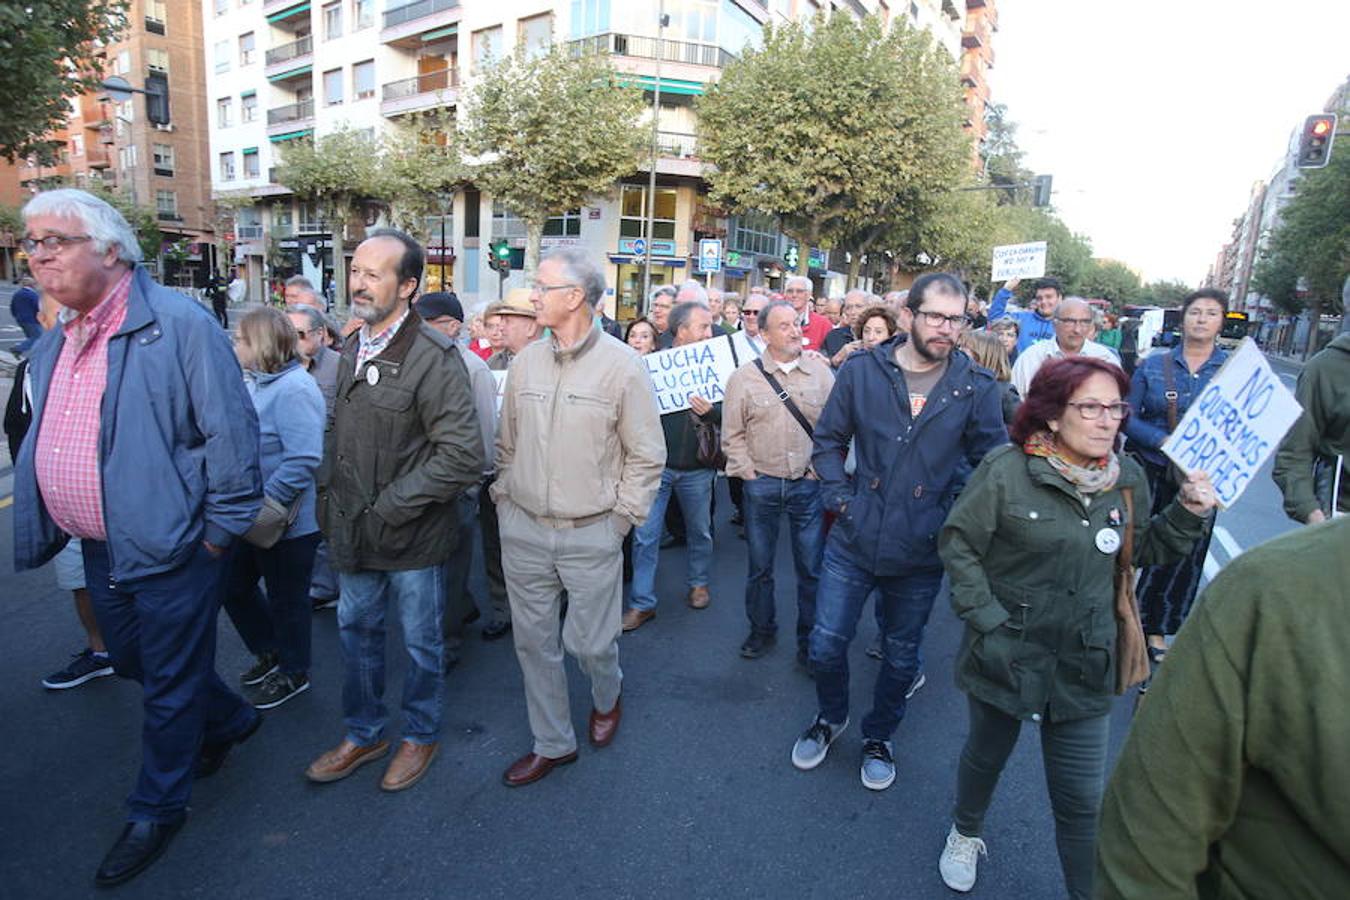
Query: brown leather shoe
(343, 760)
(634, 619)
(603, 725)
(699, 598)
(531, 767)
(408, 766)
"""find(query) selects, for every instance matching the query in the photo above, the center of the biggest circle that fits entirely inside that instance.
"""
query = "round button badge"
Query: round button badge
(1108, 540)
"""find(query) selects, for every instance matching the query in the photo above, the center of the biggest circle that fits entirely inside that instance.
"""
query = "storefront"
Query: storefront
(666, 269)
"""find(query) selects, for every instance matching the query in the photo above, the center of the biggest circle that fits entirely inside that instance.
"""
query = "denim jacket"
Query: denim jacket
(1147, 426)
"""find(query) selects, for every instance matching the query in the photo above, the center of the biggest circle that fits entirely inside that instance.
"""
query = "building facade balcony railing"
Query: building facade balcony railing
(249, 232)
(400, 15)
(422, 83)
(293, 50)
(291, 112)
(677, 143)
(640, 47)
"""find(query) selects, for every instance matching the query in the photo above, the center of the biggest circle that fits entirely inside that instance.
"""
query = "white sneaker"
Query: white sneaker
(959, 859)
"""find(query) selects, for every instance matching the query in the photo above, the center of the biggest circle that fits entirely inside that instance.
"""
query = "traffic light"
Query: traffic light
(499, 257)
(1314, 144)
(1040, 186)
(792, 257)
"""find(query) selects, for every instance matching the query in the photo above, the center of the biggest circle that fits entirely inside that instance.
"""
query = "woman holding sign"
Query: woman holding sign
(1163, 388)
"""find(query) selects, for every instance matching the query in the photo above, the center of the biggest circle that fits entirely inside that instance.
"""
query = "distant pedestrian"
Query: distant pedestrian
(659, 304)
(219, 296)
(641, 336)
(150, 456)
(23, 307)
(814, 326)
(1073, 320)
(516, 318)
(843, 336)
(402, 445)
(987, 350)
(579, 457)
(1037, 323)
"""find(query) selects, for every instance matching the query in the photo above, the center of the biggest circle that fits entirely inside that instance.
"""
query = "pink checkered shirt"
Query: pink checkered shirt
(67, 447)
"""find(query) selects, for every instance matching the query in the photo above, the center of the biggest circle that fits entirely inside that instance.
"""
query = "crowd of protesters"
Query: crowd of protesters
(909, 440)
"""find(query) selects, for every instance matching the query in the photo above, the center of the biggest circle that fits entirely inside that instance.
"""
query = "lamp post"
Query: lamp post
(445, 201)
(662, 20)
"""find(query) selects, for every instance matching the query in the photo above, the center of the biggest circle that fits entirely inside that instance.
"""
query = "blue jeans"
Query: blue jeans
(694, 488)
(280, 621)
(766, 500)
(161, 631)
(419, 595)
(905, 601)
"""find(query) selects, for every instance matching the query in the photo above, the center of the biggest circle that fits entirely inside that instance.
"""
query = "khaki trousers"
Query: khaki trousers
(539, 563)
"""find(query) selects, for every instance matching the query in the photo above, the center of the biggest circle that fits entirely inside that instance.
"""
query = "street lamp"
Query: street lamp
(445, 201)
(662, 21)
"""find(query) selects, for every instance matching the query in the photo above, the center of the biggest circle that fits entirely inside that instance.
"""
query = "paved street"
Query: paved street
(696, 798)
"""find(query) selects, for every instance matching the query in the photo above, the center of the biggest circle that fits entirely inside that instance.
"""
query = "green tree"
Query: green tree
(839, 127)
(47, 57)
(548, 132)
(1110, 280)
(1002, 157)
(339, 172)
(1164, 293)
(1275, 276)
(143, 220)
(424, 167)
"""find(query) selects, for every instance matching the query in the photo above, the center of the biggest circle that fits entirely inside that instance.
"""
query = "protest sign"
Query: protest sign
(1235, 424)
(1019, 261)
(701, 368)
(500, 379)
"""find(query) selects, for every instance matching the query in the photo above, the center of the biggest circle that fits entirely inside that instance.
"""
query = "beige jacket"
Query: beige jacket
(579, 434)
(759, 435)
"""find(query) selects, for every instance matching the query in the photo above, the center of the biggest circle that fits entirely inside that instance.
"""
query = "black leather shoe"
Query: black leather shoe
(756, 645)
(212, 755)
(496, 630)
(140, 845)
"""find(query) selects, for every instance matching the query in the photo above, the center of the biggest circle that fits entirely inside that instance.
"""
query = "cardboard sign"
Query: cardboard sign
(1019, 261)
(1235, 424)
(701, 368)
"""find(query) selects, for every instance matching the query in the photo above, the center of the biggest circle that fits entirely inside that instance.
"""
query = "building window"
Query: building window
(123, 64)
(363, 14)
(363, 80)
(126, 156)
(696, 20)
(535, 34)
(755, 233)
(166, 204)
(487, 46)
(164, 162)
(77, 145)
(505, 223)
(222, 7)
(227, 166)
(633, 213)
(223, 113)
(247, 49)
(156, 15)
(332, 87)
(252, 164)
(157, 60)
(222, 55)
(589, 17)
(566, 225)
(126, 114)
(248, 108)
(332, 21)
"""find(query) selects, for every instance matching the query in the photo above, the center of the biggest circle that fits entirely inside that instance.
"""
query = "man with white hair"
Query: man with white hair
(855, 301)
(1073, 323)
(815, 327)
(144, 445)
(659, 304)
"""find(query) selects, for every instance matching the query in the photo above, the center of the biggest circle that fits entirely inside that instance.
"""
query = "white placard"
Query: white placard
(1235, 424)
(500, 378)
(701, 368)
(1019, 261)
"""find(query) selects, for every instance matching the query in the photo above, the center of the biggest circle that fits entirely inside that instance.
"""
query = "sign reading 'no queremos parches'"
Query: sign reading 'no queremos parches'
(1235, 424)
(701, 368)
(1018, 261)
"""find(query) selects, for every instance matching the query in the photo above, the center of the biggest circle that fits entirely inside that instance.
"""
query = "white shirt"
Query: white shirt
(1031, 359)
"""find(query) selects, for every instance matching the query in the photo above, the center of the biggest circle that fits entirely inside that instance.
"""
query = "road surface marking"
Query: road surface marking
(1212, 567)
(6, 501)
(1233, 548)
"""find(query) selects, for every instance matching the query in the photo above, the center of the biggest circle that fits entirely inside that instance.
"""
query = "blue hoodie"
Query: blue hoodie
(290, 439)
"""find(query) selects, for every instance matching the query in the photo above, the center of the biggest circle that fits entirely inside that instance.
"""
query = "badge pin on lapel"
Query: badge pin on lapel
(1108, 541)
(372, 374)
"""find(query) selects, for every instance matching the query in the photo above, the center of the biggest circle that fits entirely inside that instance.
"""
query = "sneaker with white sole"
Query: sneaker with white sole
(276, 689)
(262, 667)
(878, 766)
(919, 681)
(84, 666)
(959, 859)
(811, 747)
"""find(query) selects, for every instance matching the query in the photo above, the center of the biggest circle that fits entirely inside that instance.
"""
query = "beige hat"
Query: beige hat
(516, 303)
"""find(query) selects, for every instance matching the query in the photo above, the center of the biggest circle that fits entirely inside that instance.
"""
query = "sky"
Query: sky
(1157, 117)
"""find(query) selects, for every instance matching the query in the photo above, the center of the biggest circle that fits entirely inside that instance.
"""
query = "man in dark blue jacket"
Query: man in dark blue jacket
(144, 444)
(921, 416)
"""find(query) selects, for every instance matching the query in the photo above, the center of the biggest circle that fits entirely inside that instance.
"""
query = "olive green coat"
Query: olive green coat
(1036, 590)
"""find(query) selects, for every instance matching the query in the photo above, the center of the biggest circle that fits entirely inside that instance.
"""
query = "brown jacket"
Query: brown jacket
(759, 435)
(579, 433)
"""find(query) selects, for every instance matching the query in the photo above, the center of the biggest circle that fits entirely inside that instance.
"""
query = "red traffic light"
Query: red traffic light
(1314, 146)
(1321, 127)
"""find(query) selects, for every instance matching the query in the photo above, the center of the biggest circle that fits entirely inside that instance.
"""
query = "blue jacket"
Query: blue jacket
(291, 419)
(178, 442)
(1147, 425)
(23, 306)
(909, 470)
(1031, 325)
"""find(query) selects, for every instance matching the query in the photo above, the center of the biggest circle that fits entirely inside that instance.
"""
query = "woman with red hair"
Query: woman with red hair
(1032, 548)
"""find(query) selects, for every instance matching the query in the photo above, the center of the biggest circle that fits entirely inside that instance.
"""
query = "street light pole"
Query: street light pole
(445, 207)
(661, 21)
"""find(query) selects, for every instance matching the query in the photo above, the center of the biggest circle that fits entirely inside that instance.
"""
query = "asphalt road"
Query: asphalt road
(696, 797)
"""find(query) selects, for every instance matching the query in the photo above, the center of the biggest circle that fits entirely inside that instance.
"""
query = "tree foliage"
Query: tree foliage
(1311, 245)
(1108, 279)
(839, 127)
(1164, 293)
(46, 57)
(546, 133)
(424, 167)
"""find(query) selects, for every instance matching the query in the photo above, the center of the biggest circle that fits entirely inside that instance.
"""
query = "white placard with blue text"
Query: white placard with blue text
(701, 368)
(1236, 423)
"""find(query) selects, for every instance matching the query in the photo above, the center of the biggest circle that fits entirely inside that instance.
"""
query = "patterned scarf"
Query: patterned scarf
(1097, 476)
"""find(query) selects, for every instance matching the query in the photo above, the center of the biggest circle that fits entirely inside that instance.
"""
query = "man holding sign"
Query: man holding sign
(1037, 323)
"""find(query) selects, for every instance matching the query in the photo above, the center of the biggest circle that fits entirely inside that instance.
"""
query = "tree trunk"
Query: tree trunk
(854, 267)
(534, 237)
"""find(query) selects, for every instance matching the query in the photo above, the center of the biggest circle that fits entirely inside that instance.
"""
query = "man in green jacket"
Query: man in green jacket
(1306, 463)
(1232, 783)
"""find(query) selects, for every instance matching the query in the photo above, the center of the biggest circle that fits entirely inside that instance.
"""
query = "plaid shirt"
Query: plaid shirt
(371, 347)
(67, 457)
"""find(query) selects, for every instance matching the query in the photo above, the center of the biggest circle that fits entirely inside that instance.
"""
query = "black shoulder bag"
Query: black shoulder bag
(787, 401)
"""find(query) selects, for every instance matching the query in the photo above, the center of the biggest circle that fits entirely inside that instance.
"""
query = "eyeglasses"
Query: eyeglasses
(1092, 410)
(750, 312)
(937, 320)
(52, 243)
(538, 288)
(1074, 323)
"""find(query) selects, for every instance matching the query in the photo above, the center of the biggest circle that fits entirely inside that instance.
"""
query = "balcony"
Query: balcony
(285, 121)
(425, 91)
(638, 47)
(290, 61)
(677, 144)
(407, 25)
(288, 14)
(677, 154)
(249, 232)
(96, 156)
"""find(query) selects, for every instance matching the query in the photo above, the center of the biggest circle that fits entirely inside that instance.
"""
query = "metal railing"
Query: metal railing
(677, 143)
(647, 48)
(249, 232)
(290, 51)
(416, 10)
(292, 112)
(439, 80)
